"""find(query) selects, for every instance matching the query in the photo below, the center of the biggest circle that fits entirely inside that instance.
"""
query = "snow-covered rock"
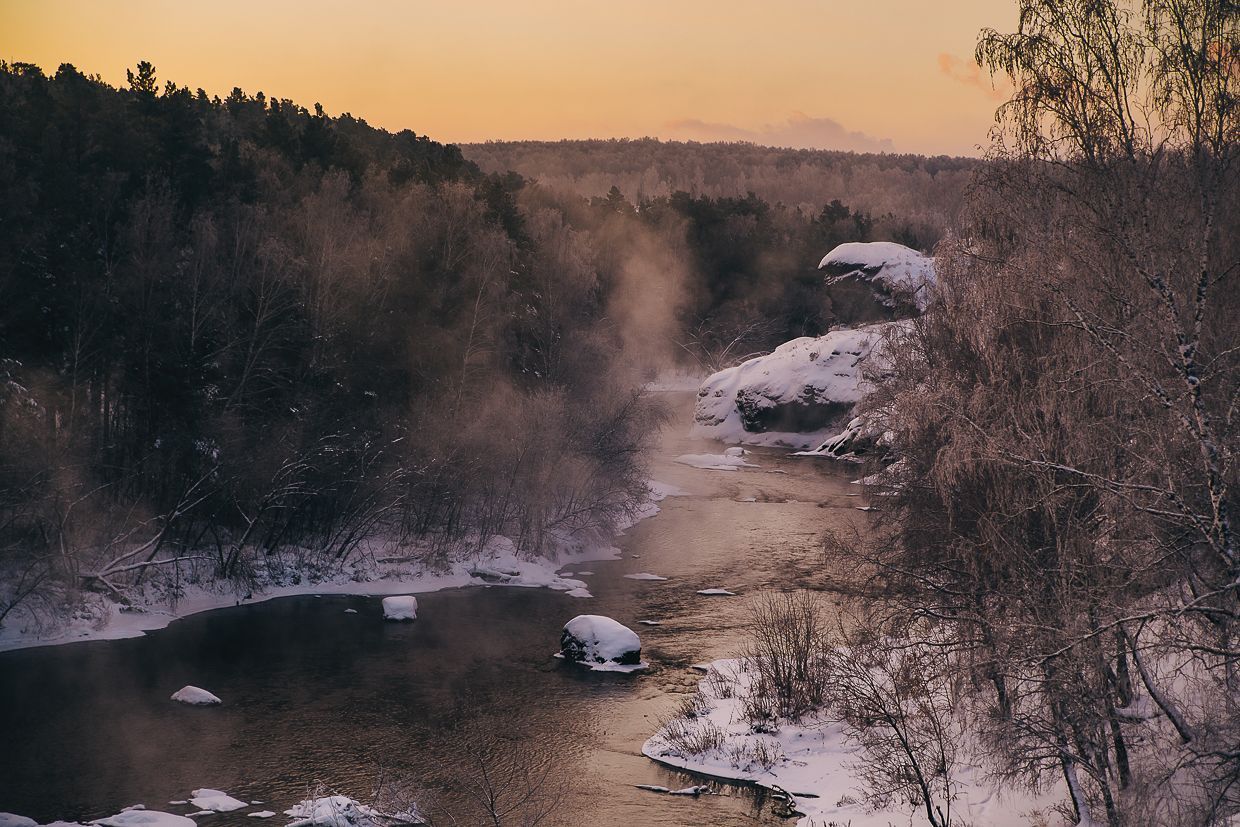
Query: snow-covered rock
(342, 811)
(195, 696)
(864, 437)
(892, 275)
(400, 607)
(13, 820)
(598, 641)
(145, 818)
(716, 592)
(215, 801)
(792, 396)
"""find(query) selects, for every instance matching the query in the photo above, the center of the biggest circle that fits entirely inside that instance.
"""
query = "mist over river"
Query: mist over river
(313, 694)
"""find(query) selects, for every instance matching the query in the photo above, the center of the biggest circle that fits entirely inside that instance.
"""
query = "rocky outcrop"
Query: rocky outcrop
(792, 396)
(878, 280)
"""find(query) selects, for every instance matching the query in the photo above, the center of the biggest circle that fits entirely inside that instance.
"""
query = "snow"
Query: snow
(644, 575)
(342, 811)
(603, 644)
(12, 820)
(261, 814)
(144, 818)
(717, 592)
(195, 696)
(400, 607)
(714, 462)
(792, 396)
(815, 758)
(385, 567)
(891, 267)
(651, 622)
(216, 801)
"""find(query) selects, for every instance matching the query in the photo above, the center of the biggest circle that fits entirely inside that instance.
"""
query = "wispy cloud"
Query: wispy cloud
(970, 74)
(799, 131)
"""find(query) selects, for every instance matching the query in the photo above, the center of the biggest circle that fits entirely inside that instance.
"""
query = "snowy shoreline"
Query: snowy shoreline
(814, 762)
(497, 564)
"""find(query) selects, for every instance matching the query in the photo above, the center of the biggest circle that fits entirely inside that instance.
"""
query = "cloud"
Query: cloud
(970, 74)
(800, 131)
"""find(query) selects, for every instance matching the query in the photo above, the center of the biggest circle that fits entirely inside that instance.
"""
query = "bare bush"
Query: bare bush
(785, 655)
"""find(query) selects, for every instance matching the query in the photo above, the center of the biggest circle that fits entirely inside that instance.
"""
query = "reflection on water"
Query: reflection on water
(313, 694)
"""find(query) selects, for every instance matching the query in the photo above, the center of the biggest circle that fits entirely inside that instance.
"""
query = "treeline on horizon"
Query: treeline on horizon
(236, 326)
(910, 198)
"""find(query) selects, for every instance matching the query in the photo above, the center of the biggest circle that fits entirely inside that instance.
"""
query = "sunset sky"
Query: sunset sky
(887, 75)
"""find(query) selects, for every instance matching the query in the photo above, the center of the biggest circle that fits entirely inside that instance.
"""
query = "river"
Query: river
(315, 695)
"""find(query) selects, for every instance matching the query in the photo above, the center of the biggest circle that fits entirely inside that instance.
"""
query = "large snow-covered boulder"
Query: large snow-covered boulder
(195, 696)
(792, 396)
(598, 640)
(400, 607)
(877, 279)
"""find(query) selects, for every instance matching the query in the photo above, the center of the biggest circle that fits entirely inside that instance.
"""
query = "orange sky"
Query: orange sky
(854, 74)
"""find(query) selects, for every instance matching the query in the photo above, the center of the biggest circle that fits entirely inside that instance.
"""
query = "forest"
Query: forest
(238, 327)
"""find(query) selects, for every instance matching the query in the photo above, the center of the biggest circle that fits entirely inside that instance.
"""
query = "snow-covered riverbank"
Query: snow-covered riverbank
(384, 569)
(814, 760)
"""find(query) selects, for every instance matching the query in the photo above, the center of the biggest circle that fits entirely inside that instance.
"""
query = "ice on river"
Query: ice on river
(215, 801)
(145, 818)
(715, 462)
(645, 575)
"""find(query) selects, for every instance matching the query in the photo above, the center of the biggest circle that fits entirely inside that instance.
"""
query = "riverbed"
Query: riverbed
(316, 696)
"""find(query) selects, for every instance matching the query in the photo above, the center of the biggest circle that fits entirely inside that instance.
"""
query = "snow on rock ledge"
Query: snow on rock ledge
(893, 275)
(195, 696)
(792, 396)
(401, 607)
(601, 643)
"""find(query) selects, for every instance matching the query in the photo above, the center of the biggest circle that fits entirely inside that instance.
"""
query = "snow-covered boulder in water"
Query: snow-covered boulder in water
(792, 396)
(401, 607)
(597, 640)
(877, 279)
(195, 696)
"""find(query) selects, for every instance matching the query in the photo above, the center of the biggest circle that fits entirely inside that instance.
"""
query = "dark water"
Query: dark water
(315, 695)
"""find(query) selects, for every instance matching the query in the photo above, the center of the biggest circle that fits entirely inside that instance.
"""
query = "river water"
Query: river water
(315, 695)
